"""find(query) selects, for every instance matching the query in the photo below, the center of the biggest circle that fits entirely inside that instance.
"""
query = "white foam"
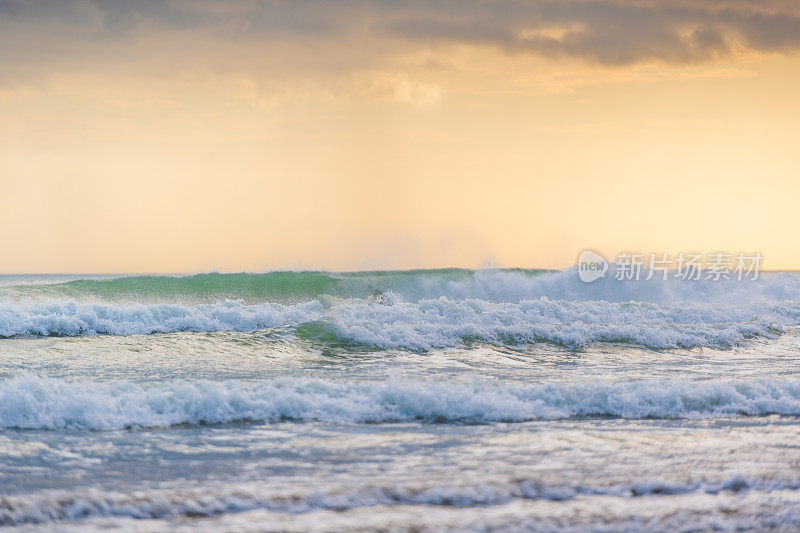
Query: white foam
(428, 311)
(35, 402)
(425, 324)
(71, 318)
(514, 286)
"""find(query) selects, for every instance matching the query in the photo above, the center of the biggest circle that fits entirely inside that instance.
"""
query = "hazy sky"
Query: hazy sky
(241, 135)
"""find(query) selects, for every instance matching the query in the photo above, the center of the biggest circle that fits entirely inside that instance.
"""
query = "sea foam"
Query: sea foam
(35, 402)
(425, 311)
(424, 324)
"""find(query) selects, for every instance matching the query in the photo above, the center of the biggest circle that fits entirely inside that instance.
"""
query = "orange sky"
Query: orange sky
(185, 137)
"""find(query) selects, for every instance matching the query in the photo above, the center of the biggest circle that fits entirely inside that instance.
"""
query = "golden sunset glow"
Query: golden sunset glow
(272, 135)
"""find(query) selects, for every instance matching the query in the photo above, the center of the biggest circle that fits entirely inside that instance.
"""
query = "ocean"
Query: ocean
(429, 400)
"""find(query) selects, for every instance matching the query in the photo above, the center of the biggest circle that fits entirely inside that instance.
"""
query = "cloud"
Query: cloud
(48, 36)
(611, 32)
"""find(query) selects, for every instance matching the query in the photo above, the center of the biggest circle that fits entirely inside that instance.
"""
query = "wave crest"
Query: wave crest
(423, 310)
(422, 325)
(34, 402)
(494, 285)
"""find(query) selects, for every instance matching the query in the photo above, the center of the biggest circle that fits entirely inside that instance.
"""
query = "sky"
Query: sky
(185, 136)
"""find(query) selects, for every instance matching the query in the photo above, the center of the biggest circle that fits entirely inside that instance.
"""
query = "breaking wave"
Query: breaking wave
(494, 285)
(414, 310)
(421, 325)
(29, 401)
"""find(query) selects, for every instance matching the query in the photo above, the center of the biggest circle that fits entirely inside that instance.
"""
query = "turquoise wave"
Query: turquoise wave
(279, 286)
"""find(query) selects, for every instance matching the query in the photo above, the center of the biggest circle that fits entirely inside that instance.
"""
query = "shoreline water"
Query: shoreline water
(451, 400)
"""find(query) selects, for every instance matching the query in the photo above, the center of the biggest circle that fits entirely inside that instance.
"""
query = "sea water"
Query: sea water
(424, 400)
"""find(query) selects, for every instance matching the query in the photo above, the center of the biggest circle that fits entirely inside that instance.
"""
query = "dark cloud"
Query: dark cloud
(612, 32)
(608, 31)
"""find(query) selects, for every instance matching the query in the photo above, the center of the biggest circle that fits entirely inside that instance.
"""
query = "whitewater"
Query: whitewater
(447, 400)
